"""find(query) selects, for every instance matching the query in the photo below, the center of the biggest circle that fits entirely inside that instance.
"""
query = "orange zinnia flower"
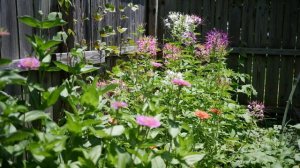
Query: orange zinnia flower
(202, 114)
(215, 110)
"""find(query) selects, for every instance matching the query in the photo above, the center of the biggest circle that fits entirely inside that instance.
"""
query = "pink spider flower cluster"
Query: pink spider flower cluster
(216, 40)
(29, 63)
(171, 51)
(256, 109)
(147, 45)
(196, 19)
(150, 122)
(181, 82)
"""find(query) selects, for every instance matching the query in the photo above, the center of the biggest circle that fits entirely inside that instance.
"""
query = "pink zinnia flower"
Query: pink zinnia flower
(156, 64)
(202, 114)
(181, 82)
(147, 45)
(148, 121)
(29, 63)
(116, 105)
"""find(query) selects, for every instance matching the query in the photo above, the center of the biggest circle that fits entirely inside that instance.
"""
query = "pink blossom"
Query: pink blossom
(181, 82)
(147, 45)
(196, 19)
(189, 38)
(216, 40)
(4, 33)
(118, 104)
(156, 64)
(148, 121)
(101, 84)
(29, 63)
(171, 51)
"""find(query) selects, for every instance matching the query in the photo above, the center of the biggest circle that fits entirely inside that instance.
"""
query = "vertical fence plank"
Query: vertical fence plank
(289, 38)
(8, 17)
(221, 15)
(209, 8)
(260, 40)
(273, 61)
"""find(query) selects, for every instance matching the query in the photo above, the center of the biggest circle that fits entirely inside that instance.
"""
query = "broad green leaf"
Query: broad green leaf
(34, 115)
(115, 130)
(49, 44)
(193, 158)
(95, 154)
(174, 131)
(157, 162)
(90, 97)
(63, 67)
(30, 21)
(47, 59)
(88, 69)
(121, 30)
(16, 136)
(108, 88)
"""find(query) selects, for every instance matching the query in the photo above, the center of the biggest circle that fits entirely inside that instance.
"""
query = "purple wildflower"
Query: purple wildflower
(256, 109)
(181, 82)
(148, 121)
(216, 40)
(29, 63)
(147, 45)
(171, 51)
(116, 105)
(196, 19)
(189, 38)
(156, 64)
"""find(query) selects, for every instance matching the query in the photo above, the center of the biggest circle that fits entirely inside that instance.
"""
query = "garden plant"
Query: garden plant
(163, 105)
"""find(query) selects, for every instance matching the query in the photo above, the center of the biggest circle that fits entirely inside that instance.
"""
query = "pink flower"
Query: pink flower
(156, 64)
(171, 51)
(147, 45)
(181, 82)
(4, 33)
(216, 40)
(29, 63)
(101, 84)
(196, 19)
(189, 38)
(148, 121)
(116, 105)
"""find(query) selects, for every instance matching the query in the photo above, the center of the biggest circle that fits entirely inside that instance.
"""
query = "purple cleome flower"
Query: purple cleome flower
(29, 63)
(150, 122)
(216, 40)
(118, 104)
(147, 45)
(181, 82)
(196, 19)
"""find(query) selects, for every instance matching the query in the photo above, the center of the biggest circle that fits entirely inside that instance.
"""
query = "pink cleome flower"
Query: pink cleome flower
(118, 104)
(216, 40)
(29, 63)
(156, 64)
(181, 82)
(147, 45)
(196, 19)
(148, 121)
(171, 51)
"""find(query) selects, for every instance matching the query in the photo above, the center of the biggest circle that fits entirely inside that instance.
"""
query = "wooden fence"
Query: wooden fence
(263, 33)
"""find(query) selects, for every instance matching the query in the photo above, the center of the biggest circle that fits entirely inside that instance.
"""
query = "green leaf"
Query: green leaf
(158, 162)
(115, 130)
(52, 98)
(63, 67)
(88, 69)
(4, 61)
(108, 88)
(193, 158)
(174, 131)
(110, 7)
(17, 136)
(34, 115)
(90, 96)
(47, 59)
(30, 21)
(49, 44)
(95, 153)
(133, 7)
(121, 30)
